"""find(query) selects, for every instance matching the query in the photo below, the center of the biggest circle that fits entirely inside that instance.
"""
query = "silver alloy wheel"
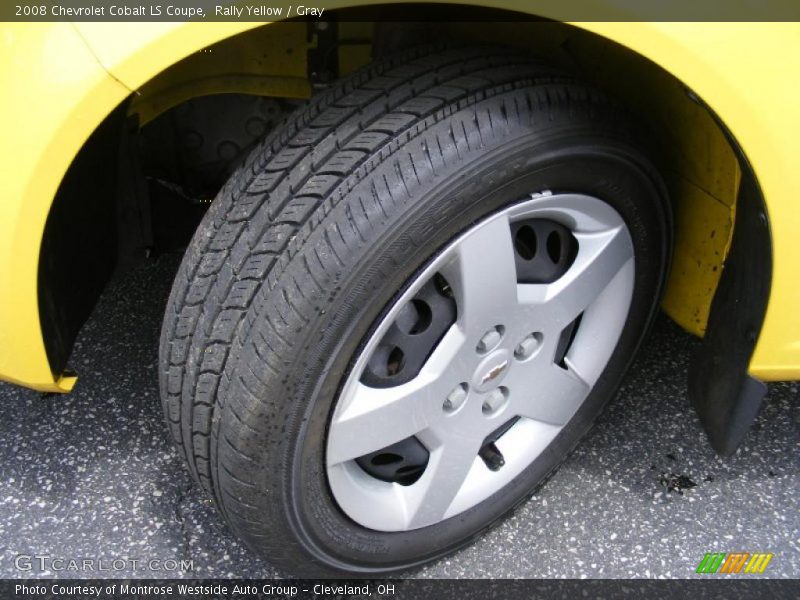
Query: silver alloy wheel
(496, 364)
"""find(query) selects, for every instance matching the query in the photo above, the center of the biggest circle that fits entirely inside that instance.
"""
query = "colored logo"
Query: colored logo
(734, 562)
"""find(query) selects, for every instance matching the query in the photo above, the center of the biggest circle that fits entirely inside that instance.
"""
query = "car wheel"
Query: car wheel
(408, 306)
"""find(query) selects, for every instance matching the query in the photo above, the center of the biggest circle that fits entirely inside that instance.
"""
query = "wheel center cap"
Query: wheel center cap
(491, 370)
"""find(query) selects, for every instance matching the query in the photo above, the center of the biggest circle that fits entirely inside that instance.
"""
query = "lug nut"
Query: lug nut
(455, 398)
(494, 401)
(490, 339)
(527, 347)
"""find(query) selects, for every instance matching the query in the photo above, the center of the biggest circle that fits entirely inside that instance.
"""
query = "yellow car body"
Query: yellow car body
(61, 80)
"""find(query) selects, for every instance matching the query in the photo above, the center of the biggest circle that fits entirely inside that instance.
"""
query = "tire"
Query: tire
(316, 239)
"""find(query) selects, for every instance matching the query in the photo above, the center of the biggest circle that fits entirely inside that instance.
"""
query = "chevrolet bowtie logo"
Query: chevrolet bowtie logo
(494, 372)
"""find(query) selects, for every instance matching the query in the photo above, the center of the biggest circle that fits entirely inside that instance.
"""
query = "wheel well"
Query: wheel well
(205, 96)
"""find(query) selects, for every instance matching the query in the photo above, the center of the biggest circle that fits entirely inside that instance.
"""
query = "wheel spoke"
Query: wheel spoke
(373, 418)
(547, 393)
(483, 274)
(377, 418)
(429, 498)
(600, 257)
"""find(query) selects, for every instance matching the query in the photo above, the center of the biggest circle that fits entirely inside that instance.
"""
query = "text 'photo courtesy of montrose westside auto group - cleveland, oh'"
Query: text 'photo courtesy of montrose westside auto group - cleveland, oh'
(399, 299)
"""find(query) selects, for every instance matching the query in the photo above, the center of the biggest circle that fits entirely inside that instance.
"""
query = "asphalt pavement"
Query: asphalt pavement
(92, 475)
